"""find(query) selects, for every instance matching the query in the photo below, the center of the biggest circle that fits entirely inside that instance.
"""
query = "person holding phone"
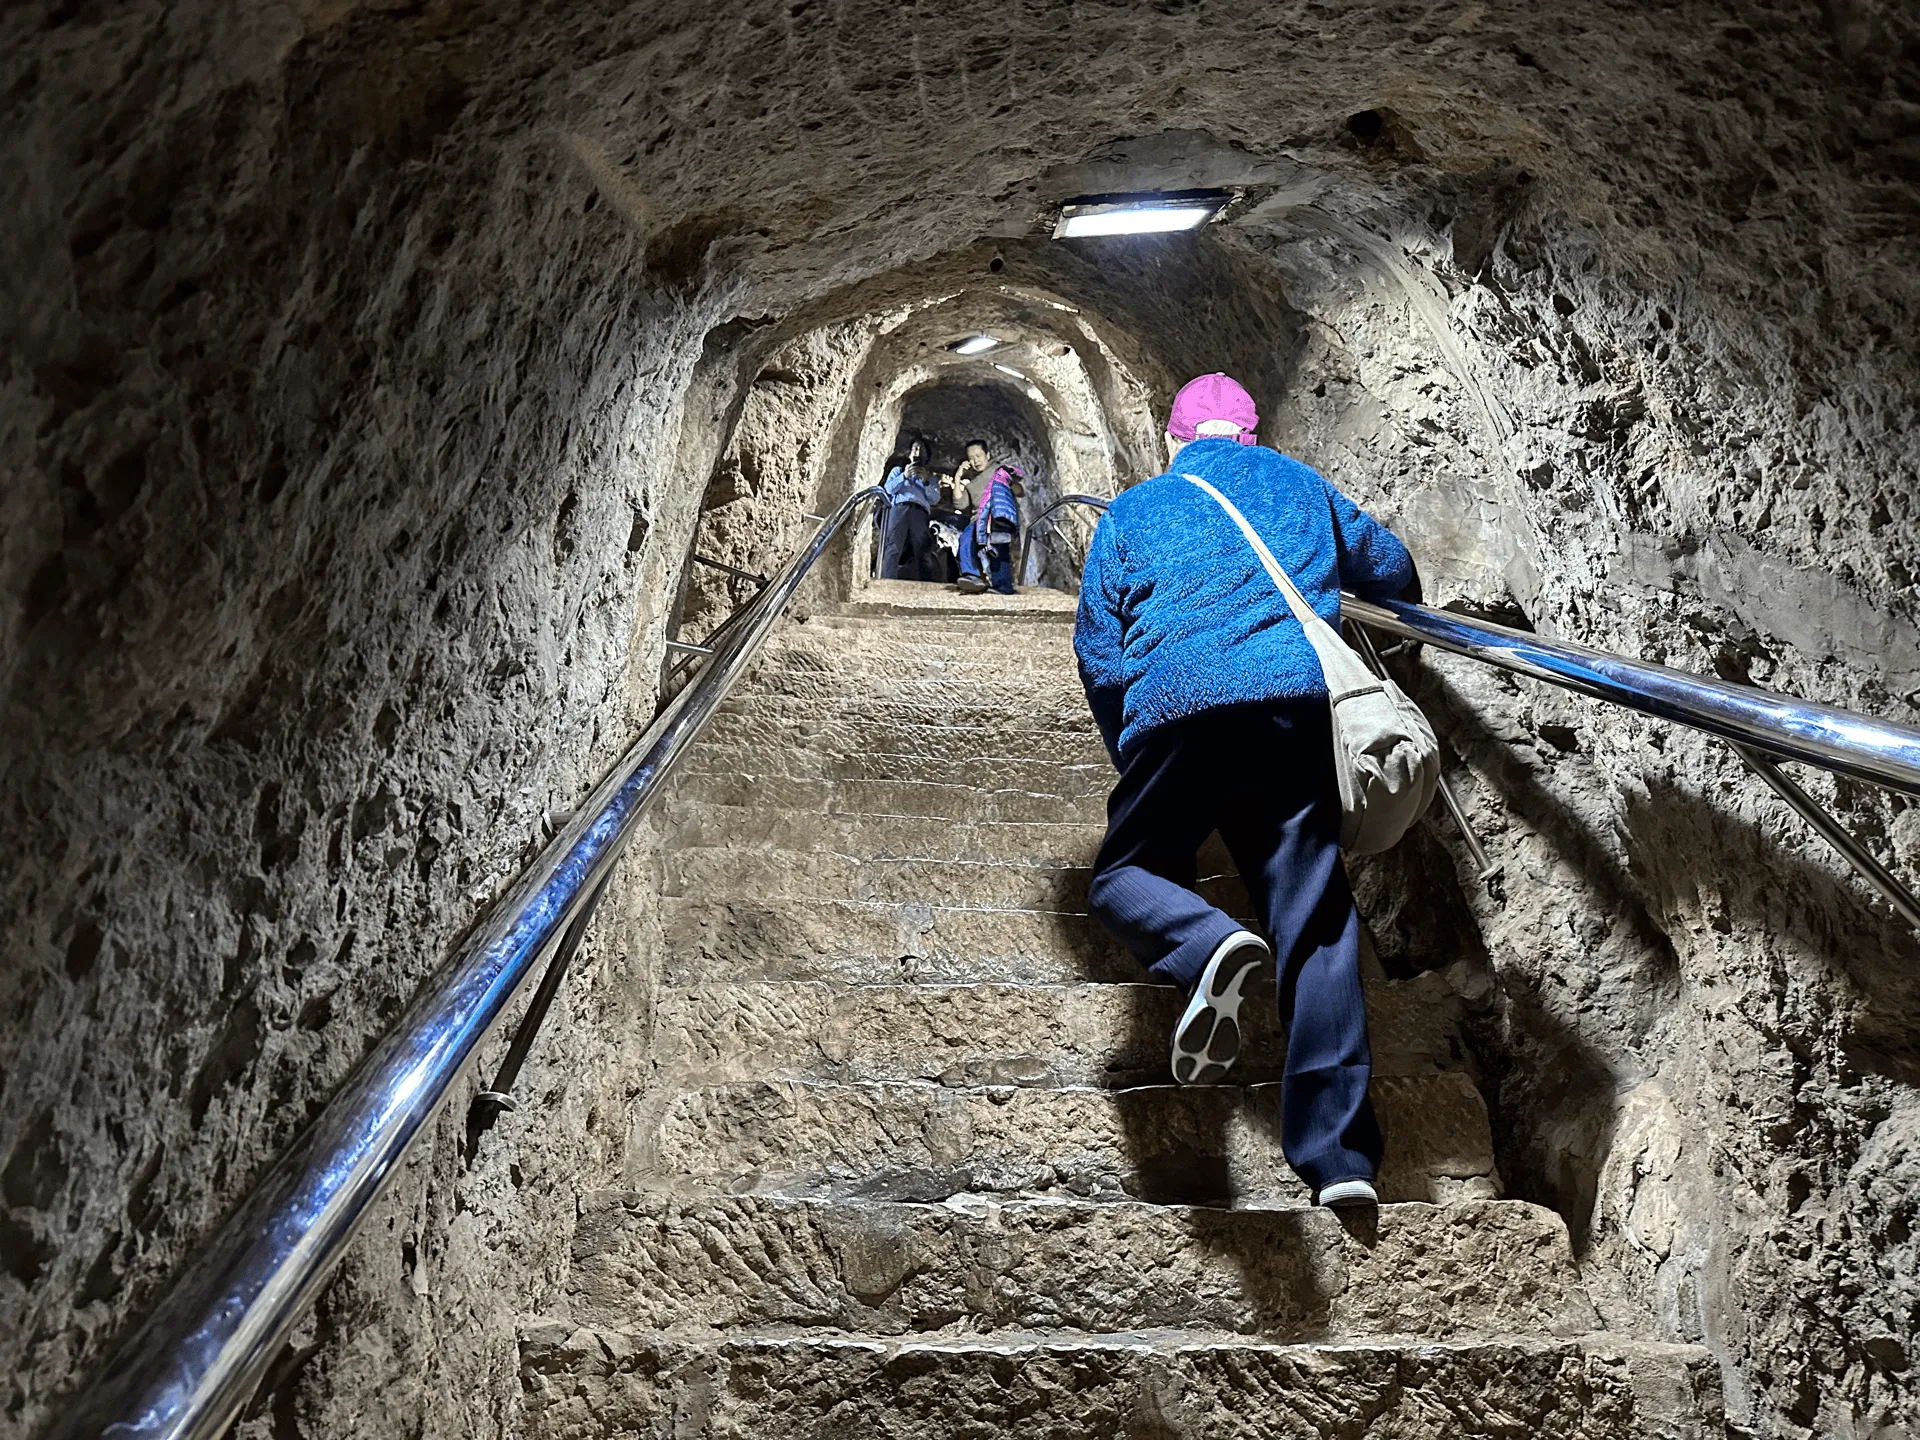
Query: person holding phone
(913, 489)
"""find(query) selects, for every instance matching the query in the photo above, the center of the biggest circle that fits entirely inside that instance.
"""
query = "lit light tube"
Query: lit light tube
(1084, 219)
(978, 345)
(1008, 370)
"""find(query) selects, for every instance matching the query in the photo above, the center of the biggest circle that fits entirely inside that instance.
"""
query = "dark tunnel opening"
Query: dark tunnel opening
(952, 415)
(375, 375)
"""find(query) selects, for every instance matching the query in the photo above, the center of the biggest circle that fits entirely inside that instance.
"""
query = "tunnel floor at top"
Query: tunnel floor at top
(915, 1166)
(373, 371)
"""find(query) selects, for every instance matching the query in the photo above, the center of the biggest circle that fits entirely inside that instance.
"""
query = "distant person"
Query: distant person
(913, 489)
(953, 516)
(986, 554)
(1215, 712)
(968, 474)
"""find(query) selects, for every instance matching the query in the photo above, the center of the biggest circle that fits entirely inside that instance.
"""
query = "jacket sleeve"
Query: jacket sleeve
(1099, 635)
(1373, 563)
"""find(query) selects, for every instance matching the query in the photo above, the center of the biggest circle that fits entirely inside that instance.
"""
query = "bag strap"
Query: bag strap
(1296, 602)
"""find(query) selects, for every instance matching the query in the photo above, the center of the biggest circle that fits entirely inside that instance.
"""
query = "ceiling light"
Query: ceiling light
(977, 345)
(1139, 214)
(1008, 370)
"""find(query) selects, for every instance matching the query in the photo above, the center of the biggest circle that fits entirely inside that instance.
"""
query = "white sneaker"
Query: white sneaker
(1206, 1042)
(1347, 1195)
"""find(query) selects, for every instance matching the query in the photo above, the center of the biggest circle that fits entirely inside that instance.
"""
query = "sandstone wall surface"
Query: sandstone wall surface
(355, 418)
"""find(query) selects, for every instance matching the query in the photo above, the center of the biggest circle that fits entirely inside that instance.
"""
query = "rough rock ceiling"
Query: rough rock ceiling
(367, 367)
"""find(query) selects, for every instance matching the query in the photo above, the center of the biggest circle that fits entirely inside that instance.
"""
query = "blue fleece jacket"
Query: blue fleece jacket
(1177, 614)
(912, 485)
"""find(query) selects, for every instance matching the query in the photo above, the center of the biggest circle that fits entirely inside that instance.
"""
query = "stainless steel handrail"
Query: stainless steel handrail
(1838, 740)
(189, 1369)
(1763, 727)
(1033, 528)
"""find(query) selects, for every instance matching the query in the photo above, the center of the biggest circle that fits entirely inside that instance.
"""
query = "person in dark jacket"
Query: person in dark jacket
(913, 489)
(988, 562)
(954, 512)
(1212, 705)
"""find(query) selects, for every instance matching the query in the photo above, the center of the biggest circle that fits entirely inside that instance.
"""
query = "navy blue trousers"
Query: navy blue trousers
(908, 552)
(998, 571)
(1261, 775)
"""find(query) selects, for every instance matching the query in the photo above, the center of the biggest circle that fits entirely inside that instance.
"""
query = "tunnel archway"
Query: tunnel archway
(344, 535)
(951, 413)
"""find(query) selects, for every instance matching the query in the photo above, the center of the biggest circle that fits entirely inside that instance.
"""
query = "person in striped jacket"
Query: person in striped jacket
(986, 552)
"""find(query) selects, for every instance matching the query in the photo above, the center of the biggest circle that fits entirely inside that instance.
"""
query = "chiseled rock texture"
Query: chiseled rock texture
(367, 367)
(912, 1206)
(1139, 1387)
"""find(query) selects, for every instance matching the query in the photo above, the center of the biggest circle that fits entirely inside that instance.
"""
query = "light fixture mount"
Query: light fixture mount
(1155, 212)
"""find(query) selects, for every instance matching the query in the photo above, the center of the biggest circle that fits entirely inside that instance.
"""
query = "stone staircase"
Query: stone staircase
(914, 1166)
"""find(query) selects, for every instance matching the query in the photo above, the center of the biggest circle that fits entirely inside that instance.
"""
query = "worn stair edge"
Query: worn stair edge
(1194, 1145)
(881, 656)
(852, 941)
(889, 798)
(659, 1261)
(581, 1383)
(853, 707)
(915, 597)
(688, 822)
(1110, 1035)
(1074, 780)
(770, 874)
(770, 733)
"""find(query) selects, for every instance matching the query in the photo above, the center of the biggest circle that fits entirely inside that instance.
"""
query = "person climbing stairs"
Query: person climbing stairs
(914, 1164)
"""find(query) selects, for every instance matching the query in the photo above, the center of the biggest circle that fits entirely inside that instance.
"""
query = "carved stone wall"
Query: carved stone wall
(365, 370)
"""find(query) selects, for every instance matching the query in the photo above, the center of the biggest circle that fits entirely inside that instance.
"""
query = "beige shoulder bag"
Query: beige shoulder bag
(1384, 751)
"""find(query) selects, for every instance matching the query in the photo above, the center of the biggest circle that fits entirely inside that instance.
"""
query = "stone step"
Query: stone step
(973, 689)
(990, 714)
(1192, 1145)
(660, 1262)
(582, 1383)
(994, 1034)
(1051, 616)
(695, 823)
(881, 648)
(774, 874)
(1005, 741)
(888, 798)
(1035, 604)
(1080, 780)
(874, 654)
(857, 943)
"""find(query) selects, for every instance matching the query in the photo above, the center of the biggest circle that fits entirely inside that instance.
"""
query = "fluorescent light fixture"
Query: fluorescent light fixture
(1138, 214)
(978, 345)
(1008, 370)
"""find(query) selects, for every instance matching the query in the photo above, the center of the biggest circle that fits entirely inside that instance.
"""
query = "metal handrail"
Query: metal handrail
(1839, 740)
(1095, 502)
(190, 1368)
(1763, 727)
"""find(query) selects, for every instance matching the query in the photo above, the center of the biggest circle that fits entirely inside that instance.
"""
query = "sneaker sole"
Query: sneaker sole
(1348, 1195)
(1206, 1042)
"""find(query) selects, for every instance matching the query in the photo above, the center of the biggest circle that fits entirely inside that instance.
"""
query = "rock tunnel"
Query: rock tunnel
(374, 373)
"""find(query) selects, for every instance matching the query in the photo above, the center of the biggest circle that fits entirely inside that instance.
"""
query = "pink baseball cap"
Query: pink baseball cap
(1213, 397)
